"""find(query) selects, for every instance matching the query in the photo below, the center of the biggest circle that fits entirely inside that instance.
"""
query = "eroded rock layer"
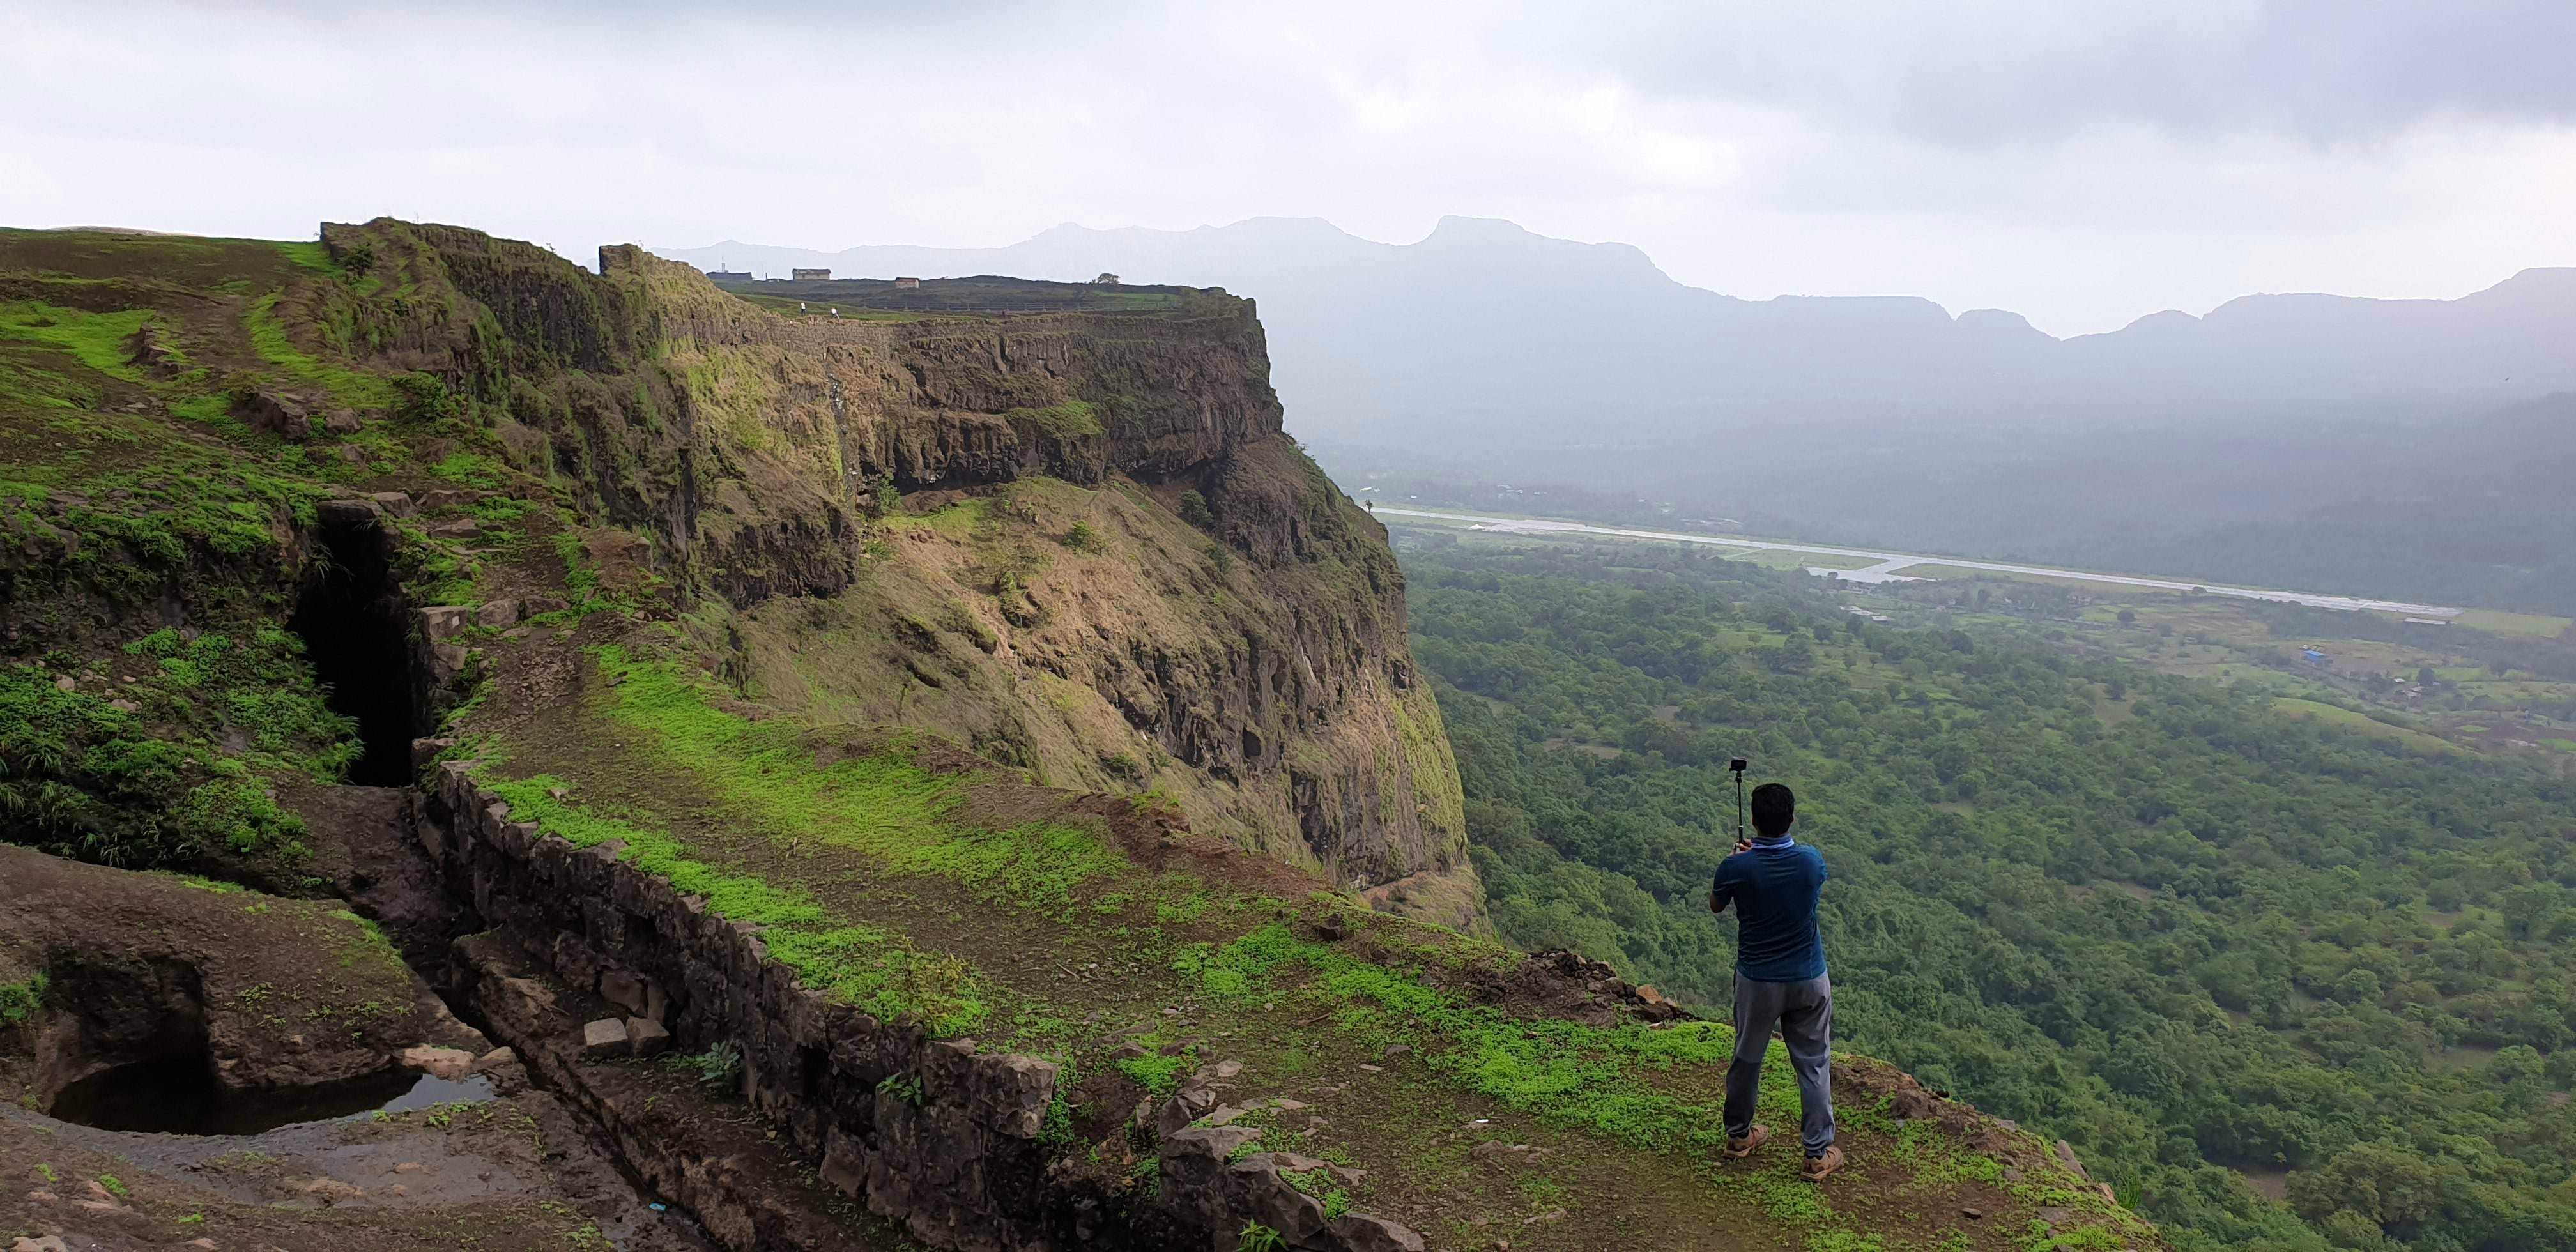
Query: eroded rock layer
(1123, 513)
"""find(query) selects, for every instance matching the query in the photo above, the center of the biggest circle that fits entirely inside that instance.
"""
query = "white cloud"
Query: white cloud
(2083, 172)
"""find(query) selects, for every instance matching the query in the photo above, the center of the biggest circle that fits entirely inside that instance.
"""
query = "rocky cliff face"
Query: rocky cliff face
(1227, 627)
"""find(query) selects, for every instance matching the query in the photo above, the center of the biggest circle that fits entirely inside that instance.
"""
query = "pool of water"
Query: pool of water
(180, 1097)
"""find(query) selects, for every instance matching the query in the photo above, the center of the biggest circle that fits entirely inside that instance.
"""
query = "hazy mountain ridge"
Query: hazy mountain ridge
(1487, 323)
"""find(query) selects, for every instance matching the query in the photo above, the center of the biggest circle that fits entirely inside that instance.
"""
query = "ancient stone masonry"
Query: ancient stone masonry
(587, 958)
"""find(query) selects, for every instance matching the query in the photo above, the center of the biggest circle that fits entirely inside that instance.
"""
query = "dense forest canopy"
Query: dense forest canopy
(2206, 943)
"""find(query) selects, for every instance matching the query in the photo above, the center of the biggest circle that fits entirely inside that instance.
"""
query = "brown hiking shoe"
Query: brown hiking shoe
(1819, 1166)
(1754, 1138)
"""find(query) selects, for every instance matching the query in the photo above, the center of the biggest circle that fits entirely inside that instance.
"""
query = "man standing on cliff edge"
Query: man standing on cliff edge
(1773, 881)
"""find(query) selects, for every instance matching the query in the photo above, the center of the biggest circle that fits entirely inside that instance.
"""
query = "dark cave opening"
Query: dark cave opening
(351, 620)
(178, 1095)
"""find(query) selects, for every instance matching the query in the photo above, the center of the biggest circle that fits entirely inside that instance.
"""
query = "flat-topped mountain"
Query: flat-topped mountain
(1482, 325)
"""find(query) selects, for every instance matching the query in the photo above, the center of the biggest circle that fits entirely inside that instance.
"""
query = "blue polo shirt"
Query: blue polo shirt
(1774, 889)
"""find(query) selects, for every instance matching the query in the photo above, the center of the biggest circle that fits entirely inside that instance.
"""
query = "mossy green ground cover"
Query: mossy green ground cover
(1072, 419)
(151, 441)
(129, 477)
(160, 753)
(872, 879)
(351, 387)
(96, 340)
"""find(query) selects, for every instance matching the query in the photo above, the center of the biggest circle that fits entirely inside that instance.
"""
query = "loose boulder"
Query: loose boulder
(647, 1037)
(448, 1063)
(605, 1038)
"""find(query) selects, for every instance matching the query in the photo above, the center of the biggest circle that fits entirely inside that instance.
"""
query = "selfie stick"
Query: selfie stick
(1737, 766)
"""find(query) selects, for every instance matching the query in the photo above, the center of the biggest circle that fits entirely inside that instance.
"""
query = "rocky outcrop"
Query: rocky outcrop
(755, 450)
(655, 390)
(1213, 1179)
(144, 975)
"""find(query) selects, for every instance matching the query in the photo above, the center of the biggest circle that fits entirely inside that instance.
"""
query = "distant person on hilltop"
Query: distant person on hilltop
(1773, 881)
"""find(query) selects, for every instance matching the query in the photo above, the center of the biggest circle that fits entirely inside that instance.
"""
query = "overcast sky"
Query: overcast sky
(2082, 163)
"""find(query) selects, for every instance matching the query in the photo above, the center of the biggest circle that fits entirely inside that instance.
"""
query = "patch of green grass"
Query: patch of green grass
(471, 469)
(269, 339)
(370, 944)
(306, 254)
(1845, 1241)
(861, 965)
(2363, 723)
(134, 780)
(2525, 625)
(959, 517)
(1568, 1074)
(1159, 1075)
(96, 340)
(115, 1186)
(1543, 1191)
(1188, 908)
(2042, 1238)
(581, 577)
(1073, 419)
(1939, 1161)
(1056, 1130)
(25, 384)
(240, 814)
(134, 528)
(1146, 1175)
(498, 509)
(1791, 1202)
(1314, 1182)
(876, 803)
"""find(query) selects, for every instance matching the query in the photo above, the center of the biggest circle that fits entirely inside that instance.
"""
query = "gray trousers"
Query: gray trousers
(1804, 1014)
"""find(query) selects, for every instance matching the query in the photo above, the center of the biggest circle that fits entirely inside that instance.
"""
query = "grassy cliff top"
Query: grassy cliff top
(982, 294)
(1468, 1090)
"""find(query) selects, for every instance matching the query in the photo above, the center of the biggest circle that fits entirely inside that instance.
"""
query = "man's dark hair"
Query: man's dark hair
(1773, 809)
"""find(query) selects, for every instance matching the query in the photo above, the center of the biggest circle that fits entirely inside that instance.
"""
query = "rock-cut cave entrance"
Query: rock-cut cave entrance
(350, 617)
